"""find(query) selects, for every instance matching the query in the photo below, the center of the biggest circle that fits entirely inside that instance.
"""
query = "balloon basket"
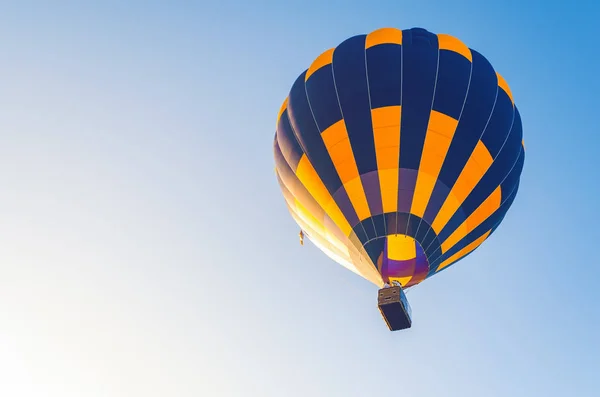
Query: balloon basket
(394, 308)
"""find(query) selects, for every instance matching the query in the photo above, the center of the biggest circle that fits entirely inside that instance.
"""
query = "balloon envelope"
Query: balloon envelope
(399, 152)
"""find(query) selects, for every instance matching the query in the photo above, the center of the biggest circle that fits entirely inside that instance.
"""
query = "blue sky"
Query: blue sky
(145, 248)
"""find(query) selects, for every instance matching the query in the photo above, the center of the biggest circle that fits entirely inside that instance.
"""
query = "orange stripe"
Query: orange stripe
(437, 141)
(504, 85)
(384, 36)
(451, 43)
(484, 211)
(311, 181)
(322, 60)
(338, 145)
(476, 167)
(386, 133)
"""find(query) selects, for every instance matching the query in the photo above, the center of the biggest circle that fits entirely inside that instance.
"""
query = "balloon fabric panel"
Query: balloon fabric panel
(399, 152)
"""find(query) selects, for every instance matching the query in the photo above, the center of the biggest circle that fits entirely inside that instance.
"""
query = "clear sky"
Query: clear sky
(145, 248)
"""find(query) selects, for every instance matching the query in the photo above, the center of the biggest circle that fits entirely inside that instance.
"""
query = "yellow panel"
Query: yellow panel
(485, 209)
(343, 159)
(523, 143)
(386, 116)
(401, 247)
(442, 124)
(311, 181)
(455, 237)
(340, 150)
(384, 36)
(504, 85)
(476, 167)
(467, 181)
(448, 209)
(482, 155)
(447, 42)
(433, 163)
(338, 145)
(386, 134)
(357, 196)
(440, 132)
(334, 134)
(322, 60)
(386, 126)
(388, 180)
(423, 189)
(282, 109)
(387, 157)
(464, 251)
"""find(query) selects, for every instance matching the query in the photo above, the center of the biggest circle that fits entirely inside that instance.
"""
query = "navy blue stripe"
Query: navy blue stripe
(434, 245)
(345, 205)
(419, 66)
(455, 221)
(374, 249)
(288, 143)
(309, 136)
(478, 108)
(412, 225)
(514, 145)
(427, 236)
(476, 113)
(369, 227)
(454, 72)
(365, 230)
(500, 124)
(430, 238)
(391, 222)
(402, 221)
(498, 171)
(384, 66)
(436, 200)
(512, 180)
(351, 83)
(361, 234)
(422, 232)
(379, 224)
(322, 97)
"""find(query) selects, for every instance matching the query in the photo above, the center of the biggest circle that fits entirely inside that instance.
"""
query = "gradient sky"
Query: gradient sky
(145, 247)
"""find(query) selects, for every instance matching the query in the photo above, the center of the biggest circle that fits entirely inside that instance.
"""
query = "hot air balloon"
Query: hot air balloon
(398, 153)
